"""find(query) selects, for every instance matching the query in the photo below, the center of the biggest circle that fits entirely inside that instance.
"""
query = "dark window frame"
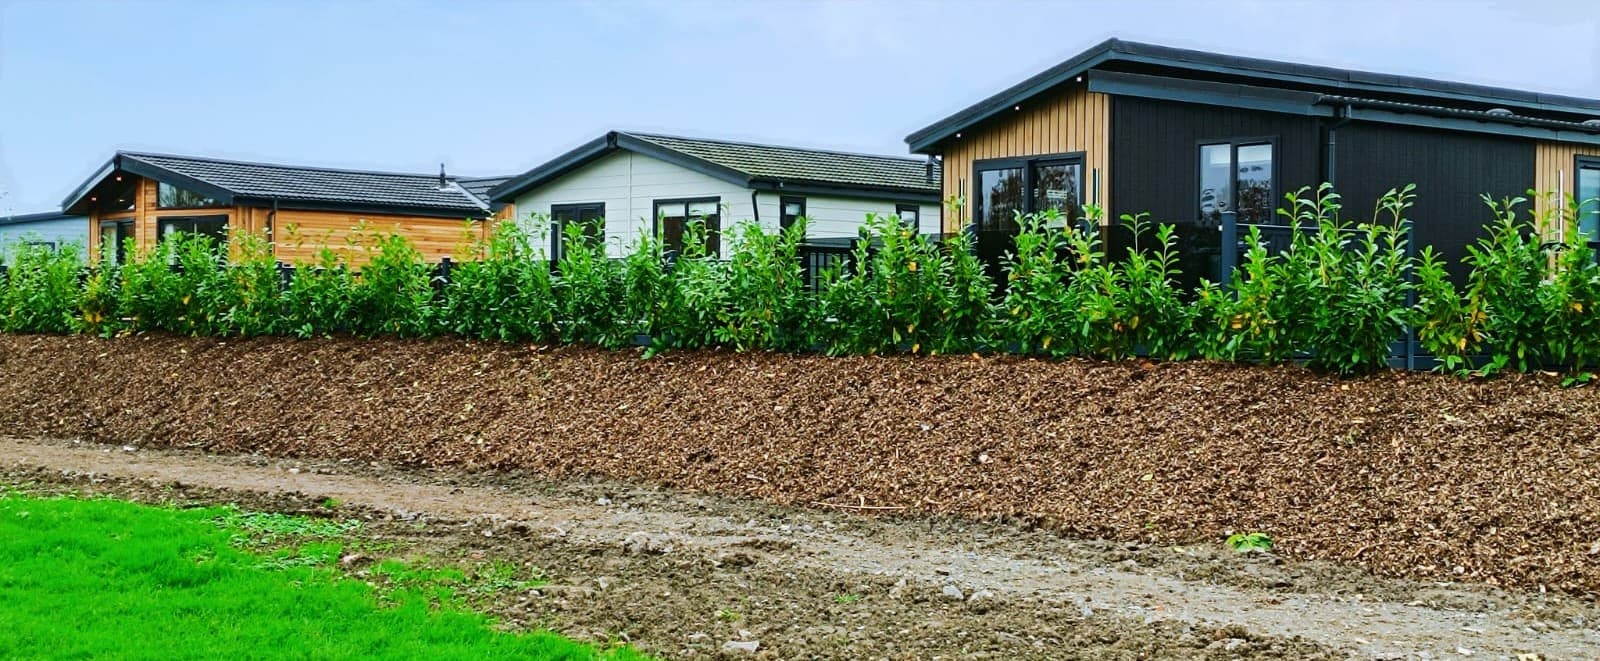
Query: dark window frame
(48, 245)
(214, 203)
(1026, 164)
(162, 222)
(900, 212)
(713, 229)
(1234, 144)
(558, 225)
(1579, 164)
(786, 220)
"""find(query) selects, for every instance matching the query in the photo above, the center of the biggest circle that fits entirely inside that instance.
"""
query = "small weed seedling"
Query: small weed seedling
(846, 599)
(1255, 542)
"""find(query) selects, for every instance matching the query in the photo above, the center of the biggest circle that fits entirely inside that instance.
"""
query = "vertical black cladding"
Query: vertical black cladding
(1155, 157)
(1451, 169)
(1155, 169)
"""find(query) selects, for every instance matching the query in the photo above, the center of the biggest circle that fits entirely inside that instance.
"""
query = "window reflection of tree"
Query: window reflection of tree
(1004, 199)
(1062, 182)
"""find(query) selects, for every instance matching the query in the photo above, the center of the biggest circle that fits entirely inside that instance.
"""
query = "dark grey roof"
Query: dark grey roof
(40, 217)
(263, 183)
(479, 186)
(1116, 54)
(792, 164)
(1481, 115)
(755, 166)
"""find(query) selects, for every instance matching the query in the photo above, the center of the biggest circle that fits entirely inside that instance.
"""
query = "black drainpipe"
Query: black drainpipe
(1341, 117)
(755, 208)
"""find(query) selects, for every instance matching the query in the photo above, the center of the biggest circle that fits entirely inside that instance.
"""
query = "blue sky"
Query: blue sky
(498, 87)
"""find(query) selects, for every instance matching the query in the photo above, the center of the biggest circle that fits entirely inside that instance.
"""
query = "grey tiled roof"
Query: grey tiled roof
(480, 186)
(791, 164)
(42, 216)
(309, 184)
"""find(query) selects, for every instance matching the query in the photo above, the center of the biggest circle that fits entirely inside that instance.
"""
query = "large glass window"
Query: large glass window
(674, 217)
(589, 218)
(1588, 197)
(790, 209)
(1237, 176)
(1055, 185)
(169, 196)
(1000, 197)
(1008, 187)
(215, 227)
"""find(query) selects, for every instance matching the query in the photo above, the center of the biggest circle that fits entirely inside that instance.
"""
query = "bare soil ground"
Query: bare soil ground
(683, 574)
(1406, 475)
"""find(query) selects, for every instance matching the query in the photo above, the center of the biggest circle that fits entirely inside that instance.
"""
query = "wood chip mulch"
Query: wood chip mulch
(1409, 475)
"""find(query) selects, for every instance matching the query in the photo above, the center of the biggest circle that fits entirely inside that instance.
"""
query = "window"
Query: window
(115, 234)
(215, 227)
(1011, 186)
(169, 196)
(590, 219)
(790, 209)
(47, 245)
(1588, 197)
(676, 218)
(1237, 176)
(909, 215)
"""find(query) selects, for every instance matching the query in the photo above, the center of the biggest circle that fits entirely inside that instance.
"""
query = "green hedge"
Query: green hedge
(1337, 298)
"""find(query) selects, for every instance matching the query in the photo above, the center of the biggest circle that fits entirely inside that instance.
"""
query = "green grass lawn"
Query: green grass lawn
(111, 579)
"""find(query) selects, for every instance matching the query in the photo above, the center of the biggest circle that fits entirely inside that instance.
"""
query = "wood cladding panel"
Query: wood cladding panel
(300, 235)
(1555, 170)
(1070, 120)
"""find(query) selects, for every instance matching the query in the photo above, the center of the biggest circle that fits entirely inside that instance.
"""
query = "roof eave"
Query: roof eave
(82, 191)
(659, 151)
(551, 169)
(922, 141)
(860, 191)
(928, 139)
(463, 213)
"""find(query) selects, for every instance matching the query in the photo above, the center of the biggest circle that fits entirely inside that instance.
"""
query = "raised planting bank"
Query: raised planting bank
(1408, 475)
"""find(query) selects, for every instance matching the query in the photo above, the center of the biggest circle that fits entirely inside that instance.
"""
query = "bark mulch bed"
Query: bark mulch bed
(1408, 475)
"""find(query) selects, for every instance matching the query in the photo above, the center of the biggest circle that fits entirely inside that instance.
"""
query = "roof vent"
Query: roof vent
(443, 182)
(1500, 112)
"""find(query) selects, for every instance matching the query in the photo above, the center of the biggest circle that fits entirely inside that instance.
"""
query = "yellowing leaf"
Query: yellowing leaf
(916, 347)
(1046, 342)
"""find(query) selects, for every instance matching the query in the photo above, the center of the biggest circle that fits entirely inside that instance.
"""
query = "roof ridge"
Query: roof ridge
(307, 168)
(741, 143)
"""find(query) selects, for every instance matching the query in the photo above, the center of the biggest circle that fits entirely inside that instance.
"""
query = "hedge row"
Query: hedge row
(1337, 297)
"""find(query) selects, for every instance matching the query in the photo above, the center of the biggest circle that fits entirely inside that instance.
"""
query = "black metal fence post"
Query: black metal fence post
(1230, 247)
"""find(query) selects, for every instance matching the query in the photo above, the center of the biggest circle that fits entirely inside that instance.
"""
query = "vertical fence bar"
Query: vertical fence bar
(1411, 293)
(1230, 247)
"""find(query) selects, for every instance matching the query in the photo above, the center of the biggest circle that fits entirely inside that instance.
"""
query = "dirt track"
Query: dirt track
(681, 574)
